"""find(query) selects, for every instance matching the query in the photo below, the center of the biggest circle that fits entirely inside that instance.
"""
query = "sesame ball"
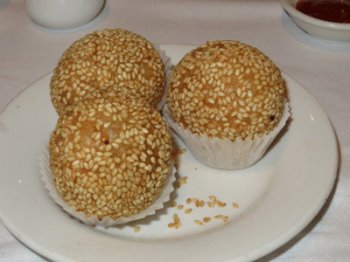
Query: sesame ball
(111, 58)
(110, 156)
(226, 89)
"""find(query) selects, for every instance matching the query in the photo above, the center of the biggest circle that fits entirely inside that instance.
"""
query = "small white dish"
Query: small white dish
(63, 14)
(316, 27)
(277, 197)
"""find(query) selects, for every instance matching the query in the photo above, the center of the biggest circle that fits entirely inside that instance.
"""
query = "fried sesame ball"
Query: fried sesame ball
(226, 89)
(110, 156)
(111, 58)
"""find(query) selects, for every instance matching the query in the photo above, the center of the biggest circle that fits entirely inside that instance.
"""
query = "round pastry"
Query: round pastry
(104, 59)
(226, 89)
(224, 97)
(110, 157)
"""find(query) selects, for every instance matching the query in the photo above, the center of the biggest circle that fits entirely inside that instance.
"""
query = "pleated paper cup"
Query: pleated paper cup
(224, 153)
(49, 184)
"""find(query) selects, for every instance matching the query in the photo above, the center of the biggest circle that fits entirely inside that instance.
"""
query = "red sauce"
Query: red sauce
(337, 11)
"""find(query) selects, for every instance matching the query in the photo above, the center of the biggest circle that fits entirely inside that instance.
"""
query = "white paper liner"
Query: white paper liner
(223, 153)
(158, 204)
(167, 65)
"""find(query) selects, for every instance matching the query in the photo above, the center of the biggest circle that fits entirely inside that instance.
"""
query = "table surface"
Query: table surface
(28, 51)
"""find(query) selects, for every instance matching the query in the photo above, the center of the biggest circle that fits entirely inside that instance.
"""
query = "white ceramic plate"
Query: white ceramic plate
(277, 197)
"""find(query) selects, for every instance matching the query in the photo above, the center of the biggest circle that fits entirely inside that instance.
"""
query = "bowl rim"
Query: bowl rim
(289, 7)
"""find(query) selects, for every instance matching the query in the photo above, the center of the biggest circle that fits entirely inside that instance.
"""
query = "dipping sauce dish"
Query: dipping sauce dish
(315, 26)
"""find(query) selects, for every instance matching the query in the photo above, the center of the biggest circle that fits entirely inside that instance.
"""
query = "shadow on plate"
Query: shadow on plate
(290, 244)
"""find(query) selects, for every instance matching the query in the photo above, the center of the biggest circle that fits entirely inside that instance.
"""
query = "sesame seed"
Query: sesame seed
(180, 207)
(198, 222)
(181, 181)
(176, 222)
(188, 211)
(137, 229)
(235, 205)
(206, 219)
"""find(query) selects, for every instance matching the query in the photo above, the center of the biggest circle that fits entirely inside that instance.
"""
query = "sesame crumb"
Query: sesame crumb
(176, 222)
(180, 207)
(206, 219)
(235, 205)
(198, 222)
(199, 203)
(181, 181)
(188, 211)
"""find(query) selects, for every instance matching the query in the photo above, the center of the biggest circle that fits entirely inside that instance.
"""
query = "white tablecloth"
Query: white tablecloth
(28, 52)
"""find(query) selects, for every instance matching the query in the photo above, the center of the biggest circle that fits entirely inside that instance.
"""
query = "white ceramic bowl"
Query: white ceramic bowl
(63, 14)
(316, 27)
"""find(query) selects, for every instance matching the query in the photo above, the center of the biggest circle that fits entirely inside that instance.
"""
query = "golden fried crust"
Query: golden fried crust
(227, 89)
(111, 58)
(110, 156)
